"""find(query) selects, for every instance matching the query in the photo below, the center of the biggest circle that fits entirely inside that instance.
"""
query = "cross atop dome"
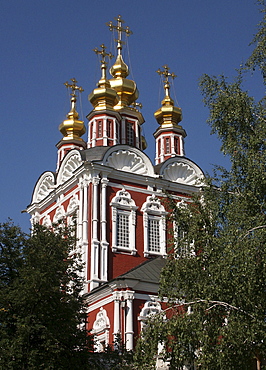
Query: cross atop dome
(120, 30)
(166, 75)
(103, 55)
(73, 86)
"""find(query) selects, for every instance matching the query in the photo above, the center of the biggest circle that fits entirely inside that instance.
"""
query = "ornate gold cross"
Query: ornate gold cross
(103, 54)
(119, 30)
(73, 86)
(166, 75)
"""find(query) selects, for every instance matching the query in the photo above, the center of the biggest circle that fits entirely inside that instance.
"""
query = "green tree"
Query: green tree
(216, 317)
(42, 313)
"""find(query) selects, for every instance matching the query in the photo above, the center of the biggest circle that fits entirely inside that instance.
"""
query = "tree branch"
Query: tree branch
(253, 229)
(213, 303)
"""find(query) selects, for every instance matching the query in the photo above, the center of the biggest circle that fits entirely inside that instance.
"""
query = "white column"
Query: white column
(104, 243)
(129, 296)
(95, 242)
(116, 298)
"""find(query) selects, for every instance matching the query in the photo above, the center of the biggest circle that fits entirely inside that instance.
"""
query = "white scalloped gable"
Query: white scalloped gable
(182, 170)
(129, 160)
(44, 186)
(71, 161)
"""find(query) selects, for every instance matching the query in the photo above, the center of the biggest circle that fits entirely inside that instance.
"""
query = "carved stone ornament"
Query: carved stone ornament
(182, 173)
(128, 161)
(69, 167)
(45, 187)
(73, 204)
(122, 199)
(102, 321)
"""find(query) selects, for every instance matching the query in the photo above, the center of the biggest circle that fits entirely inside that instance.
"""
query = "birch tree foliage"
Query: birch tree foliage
(215, 278)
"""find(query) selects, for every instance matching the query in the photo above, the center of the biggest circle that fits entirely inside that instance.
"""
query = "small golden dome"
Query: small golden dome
(168, 114)
(126, 89)
(72, 128)
(103, 97)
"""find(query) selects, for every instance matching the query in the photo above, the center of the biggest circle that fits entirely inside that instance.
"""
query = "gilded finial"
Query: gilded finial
(72, 128)
(168, 115)
(120, 30)
(166, 75)
(137, 105)
(103, 55)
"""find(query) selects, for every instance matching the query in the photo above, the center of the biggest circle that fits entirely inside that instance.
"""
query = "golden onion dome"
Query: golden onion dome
(168, 114)
(126, 89)
(103, 97)
(72, 128)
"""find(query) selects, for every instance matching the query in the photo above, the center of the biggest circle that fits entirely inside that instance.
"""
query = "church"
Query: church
(114, 193)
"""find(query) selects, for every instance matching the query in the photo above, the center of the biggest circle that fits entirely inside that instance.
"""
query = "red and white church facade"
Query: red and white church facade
(112, 190)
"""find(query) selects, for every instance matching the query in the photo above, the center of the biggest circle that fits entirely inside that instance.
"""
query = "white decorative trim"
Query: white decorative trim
(129, 159)
(153, 210)
(101, 327)
(47, 221)
(73, 205)
(150, 308)
(122, 204)
(69, 164)
(59, 214)
(182, 171)
(44, 186)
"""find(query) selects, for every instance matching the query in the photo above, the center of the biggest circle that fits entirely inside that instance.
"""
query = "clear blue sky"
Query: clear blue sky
(45, 43)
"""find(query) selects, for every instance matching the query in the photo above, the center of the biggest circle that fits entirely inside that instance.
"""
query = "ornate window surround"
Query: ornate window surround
(153, 210)
(150, 308)
(101, 328)
(123, 204)
(182, 249)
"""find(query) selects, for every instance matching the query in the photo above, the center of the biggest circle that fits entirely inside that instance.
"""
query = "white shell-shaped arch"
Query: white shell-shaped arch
(47, 221)
(123, 158)
(71, 162)
(183, 171)
(73, 204)
(44, 186)
(59, 214)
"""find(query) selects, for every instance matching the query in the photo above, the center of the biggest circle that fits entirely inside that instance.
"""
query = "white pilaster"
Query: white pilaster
(129, 333)
(95, 242)
(116, 297)
(104, 243)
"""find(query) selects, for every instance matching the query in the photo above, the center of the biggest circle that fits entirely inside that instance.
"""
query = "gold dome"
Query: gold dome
(168, 115)
(103, 97)
(72, 128)
(126, 89)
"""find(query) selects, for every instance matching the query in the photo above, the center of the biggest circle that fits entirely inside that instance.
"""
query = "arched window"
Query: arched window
(123, 222)
(154, 227)
(150, 308)
(101, 327)
(184, 247)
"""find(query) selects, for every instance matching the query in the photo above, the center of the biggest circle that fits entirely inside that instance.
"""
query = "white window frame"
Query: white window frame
(123, 204)
(149, 309)
(185, 250)
(101, 328)
(153, 209)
